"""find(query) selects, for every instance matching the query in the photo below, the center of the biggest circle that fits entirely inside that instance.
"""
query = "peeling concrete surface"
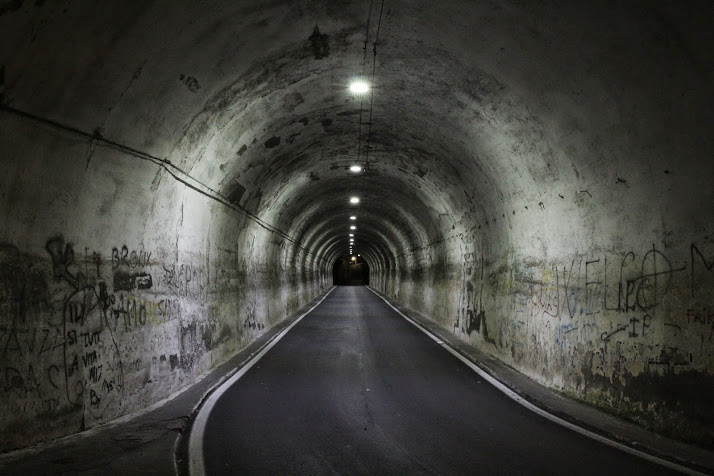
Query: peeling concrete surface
(539, 184)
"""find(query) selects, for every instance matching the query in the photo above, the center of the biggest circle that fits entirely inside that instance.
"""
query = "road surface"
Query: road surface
(354, 388)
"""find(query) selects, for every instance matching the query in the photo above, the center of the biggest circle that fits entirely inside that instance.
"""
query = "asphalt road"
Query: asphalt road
(354, 388)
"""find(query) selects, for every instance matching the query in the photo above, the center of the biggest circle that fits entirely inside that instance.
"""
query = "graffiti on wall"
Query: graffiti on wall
(73, 327)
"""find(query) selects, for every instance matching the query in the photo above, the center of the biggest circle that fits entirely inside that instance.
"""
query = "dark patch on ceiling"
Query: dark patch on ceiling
(190, 82)
(242, 149)
(326, 122)
(291, 137)
(293, 100)
(347, 113)
(272, 142)
(236, 193)
(305, 121)
(13, 6)
(320, 45)
(314, 177)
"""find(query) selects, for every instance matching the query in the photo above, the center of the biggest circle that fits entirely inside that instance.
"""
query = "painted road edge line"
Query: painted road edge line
(196, 463)
(535, 409)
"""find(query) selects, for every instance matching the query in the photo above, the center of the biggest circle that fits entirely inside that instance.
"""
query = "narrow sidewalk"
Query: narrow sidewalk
(580, 414)
(147, 442)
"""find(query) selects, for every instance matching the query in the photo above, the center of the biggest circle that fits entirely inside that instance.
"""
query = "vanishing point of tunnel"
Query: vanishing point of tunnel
(181, 181)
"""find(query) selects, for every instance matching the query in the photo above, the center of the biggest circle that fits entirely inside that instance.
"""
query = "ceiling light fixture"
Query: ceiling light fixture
(354, 200)
(359, 87)
(353, 217)
(353, 227)
(355, 168)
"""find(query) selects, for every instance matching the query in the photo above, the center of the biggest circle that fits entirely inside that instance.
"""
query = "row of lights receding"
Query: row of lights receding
(358, 87)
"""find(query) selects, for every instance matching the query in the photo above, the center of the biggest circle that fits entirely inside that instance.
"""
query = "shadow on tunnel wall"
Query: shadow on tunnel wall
(350, 273)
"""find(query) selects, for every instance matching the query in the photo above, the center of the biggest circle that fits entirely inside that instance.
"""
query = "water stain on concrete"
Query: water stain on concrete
(272, 142)
(190, 82)
(319, 43)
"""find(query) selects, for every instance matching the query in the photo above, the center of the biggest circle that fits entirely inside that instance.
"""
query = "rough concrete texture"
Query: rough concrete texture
(174, 181)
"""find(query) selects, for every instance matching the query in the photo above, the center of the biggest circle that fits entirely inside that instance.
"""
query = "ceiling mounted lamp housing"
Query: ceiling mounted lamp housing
(354, 200)
(359, 86)
(355, 168)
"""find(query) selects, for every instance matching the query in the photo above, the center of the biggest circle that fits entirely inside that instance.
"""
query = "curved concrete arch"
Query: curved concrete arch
(537, 181)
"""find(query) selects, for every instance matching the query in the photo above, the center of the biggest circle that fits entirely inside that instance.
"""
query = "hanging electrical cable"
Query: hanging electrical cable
(371, 100)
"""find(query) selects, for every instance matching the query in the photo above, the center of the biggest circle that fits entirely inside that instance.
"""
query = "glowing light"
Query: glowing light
(353, 227)
(355, 168)
(359, 87)
(353, 217)
(354, 200)
(354, 258)
(352, 234)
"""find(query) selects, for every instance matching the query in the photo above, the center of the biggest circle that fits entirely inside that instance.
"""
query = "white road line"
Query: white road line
(196, 463)
(510, 393)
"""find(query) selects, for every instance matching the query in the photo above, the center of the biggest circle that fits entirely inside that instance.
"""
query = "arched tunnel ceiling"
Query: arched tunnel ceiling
(474, 104)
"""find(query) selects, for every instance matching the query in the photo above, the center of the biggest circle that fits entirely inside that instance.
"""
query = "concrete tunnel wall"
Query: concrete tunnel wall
(174, 183)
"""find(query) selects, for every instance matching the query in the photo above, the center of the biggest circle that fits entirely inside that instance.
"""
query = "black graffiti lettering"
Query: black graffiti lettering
(62, 257)
(646, 320)
(619, 285)
(12, 339)
(75, 312)
(709, 266)
(141, 314)
(59, 339)
(118, 258)
(89, 358)
(630, 291)
(606, 336)
(73, 367)
(133, 259)
(33, 380)
(30, 342)
(571, 294)
(94, 399)
(633, 322)
(44, 348)
(91, 338)
(590, 293)
(71, 337)
(105, 298)
(97, 260)
(53, 370)
(95, 373)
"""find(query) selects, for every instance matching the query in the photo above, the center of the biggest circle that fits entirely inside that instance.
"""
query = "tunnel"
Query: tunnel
(350, 271)
(179, 179)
